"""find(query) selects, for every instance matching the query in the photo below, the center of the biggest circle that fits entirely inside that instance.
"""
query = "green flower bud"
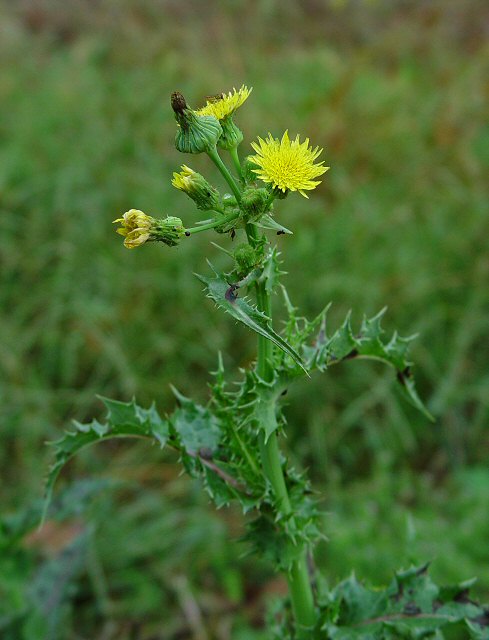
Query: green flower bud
(254, 202)
(196, 133)
(229, 200)
(245, 258)
(196, 187)
(231, 136)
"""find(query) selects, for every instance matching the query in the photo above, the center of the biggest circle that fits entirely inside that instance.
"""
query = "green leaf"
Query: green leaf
(267, 222)
(411, 607)
(197, 428)
(368, 344)
(124, 419)
(271, 270)
(226, 298)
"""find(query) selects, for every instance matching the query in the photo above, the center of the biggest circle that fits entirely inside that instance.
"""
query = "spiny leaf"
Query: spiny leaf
(226, 298)
(344, 344)
(197, 428)
(411, 607)
(124, 419)
(271, 270)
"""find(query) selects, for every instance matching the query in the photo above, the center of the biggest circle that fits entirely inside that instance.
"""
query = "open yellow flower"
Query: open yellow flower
(287, 165)
(224, 105)
(135, 227)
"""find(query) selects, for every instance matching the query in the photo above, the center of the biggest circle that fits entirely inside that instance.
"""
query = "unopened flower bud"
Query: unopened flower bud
(196, 187)
(196, 133)
(245, 258)
(229, 200)
(231, 136)
(254, 202)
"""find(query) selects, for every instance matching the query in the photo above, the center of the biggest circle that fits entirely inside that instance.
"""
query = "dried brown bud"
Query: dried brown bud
(178, 102)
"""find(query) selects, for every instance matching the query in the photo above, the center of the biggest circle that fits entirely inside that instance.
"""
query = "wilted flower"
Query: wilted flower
(287, 165)
(138, 228)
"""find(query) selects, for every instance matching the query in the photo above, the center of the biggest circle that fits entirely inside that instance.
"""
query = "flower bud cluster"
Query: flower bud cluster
(283, 165)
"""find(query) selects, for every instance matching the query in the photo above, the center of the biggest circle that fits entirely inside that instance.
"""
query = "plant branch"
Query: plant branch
(216, 159)
(211, 225)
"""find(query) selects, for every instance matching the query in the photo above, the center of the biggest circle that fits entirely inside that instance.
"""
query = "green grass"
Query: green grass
(401, 220)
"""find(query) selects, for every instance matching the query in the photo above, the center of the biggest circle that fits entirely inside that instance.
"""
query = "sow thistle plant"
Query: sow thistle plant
(232, 442)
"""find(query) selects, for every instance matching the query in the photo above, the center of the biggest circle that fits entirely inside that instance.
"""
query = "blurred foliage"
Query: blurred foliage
(396, 93)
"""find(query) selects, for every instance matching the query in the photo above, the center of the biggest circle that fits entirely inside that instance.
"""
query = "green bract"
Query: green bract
(231, 136)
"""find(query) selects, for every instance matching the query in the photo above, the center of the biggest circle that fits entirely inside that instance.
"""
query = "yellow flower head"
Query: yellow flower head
(135, 227)
(287, 165)
(183, 180)
(225, 104)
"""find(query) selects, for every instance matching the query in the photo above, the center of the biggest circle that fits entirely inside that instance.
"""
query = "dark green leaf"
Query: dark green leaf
(197, 428)
(344, 344)
(124, 419)
(219, 290)
(411, 607)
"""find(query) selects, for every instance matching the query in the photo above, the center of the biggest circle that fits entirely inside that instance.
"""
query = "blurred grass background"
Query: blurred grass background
(396, 92)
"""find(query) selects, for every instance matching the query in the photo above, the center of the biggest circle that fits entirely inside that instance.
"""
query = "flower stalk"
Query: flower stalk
(216, 159)
(212, 225)
(233, 152)
(298, 578)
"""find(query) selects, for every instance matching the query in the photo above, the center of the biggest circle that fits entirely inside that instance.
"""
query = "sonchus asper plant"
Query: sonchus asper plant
(232, 443)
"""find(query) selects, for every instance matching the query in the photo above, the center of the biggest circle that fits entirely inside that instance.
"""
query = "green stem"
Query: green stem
(237, 164)
(211, 225)
(271, 198)
(298, 577)
(216, 159)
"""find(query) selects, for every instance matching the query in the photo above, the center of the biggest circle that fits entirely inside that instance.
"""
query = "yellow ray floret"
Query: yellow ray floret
(225, 104)
(287, 165)
(135, 227)
(183, 180)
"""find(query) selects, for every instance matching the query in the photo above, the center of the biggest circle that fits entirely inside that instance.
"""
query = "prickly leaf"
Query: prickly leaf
(226, 298)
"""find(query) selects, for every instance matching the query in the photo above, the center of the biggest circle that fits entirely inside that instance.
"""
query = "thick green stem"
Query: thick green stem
(216, 159)
(298, 577)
